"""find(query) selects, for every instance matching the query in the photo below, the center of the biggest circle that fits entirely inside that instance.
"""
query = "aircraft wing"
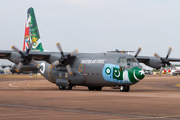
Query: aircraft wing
(4, 54)
(174, 59)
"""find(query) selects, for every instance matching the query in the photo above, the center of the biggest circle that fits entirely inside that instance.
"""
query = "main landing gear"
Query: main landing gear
(124, 88)
(95, 88)
(69, 87)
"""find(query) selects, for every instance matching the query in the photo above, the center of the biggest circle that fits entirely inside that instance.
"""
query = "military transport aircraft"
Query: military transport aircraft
(94, 70)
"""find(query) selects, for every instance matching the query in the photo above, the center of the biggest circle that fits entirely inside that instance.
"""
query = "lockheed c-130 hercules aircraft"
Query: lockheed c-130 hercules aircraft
(94, 70)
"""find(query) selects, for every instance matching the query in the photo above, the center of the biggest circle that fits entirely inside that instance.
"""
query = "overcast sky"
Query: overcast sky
(95, 25)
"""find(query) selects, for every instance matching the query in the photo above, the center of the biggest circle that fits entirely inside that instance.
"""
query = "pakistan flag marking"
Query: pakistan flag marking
(112, 73)
(117, 74)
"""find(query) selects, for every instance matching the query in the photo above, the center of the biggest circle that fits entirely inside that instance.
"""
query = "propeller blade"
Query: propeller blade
(55, 63)
(68, 67)
(18, 68)
(30, 47)
(60, 48)
(157, 56)
(15, 49)
(160, 71)
(34, 62)
(139, 49)
(73, 53)
(169, 51)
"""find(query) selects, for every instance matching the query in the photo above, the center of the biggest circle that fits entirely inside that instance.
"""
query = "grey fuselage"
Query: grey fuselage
(88, 68)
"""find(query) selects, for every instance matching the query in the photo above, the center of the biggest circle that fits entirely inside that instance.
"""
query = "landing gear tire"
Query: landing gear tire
(124, 88)
(98, 88)
(62, 87)
(127, 89)
(91, 88)
(69, 87)
(174, 74)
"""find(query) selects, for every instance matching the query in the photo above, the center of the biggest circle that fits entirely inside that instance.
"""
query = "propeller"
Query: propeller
(138, 51)
(24, 57)
(64, 59)
(164, 60)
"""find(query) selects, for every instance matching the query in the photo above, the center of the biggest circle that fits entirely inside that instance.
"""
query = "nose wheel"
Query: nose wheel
(124, 88)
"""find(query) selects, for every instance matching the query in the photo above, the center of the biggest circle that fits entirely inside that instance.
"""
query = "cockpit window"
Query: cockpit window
(128, 60)
(118, 61)
(121, 60)
(133, 60)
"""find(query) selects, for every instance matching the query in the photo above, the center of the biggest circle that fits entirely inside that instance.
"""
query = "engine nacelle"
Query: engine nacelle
(154, 62)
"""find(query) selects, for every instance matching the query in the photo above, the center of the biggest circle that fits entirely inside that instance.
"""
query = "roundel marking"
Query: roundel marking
(108, 70)
(42, 70)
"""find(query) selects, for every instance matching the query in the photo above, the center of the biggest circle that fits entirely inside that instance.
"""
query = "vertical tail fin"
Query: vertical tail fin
(26, 37)
(33, 30)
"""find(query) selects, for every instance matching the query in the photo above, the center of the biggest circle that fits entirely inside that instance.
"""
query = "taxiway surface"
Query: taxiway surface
(35, 98)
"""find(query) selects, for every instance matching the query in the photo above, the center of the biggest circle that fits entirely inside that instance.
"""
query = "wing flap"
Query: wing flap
(174, 59)
(40, 55)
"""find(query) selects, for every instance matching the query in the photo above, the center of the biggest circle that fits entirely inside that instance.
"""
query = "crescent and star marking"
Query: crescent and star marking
(118, 74)
(135, 76)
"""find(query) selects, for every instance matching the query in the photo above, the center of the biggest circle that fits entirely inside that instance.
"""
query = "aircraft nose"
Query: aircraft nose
(139, 74)
(136, 74)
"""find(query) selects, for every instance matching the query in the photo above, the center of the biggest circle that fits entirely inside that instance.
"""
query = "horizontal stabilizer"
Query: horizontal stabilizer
(118, 51)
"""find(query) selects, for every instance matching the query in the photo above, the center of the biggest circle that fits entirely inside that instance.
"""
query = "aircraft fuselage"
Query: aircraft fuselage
(98, 69)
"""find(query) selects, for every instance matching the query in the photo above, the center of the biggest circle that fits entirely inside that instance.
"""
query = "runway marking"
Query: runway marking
(28, 84)
(11, 85)
(178, 85)
(17, 82)
(91, 112)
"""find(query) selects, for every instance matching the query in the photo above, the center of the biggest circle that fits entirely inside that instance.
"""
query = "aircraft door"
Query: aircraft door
(129, 63)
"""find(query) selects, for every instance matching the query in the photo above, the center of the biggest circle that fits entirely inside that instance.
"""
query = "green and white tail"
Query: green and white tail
(33, 30)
